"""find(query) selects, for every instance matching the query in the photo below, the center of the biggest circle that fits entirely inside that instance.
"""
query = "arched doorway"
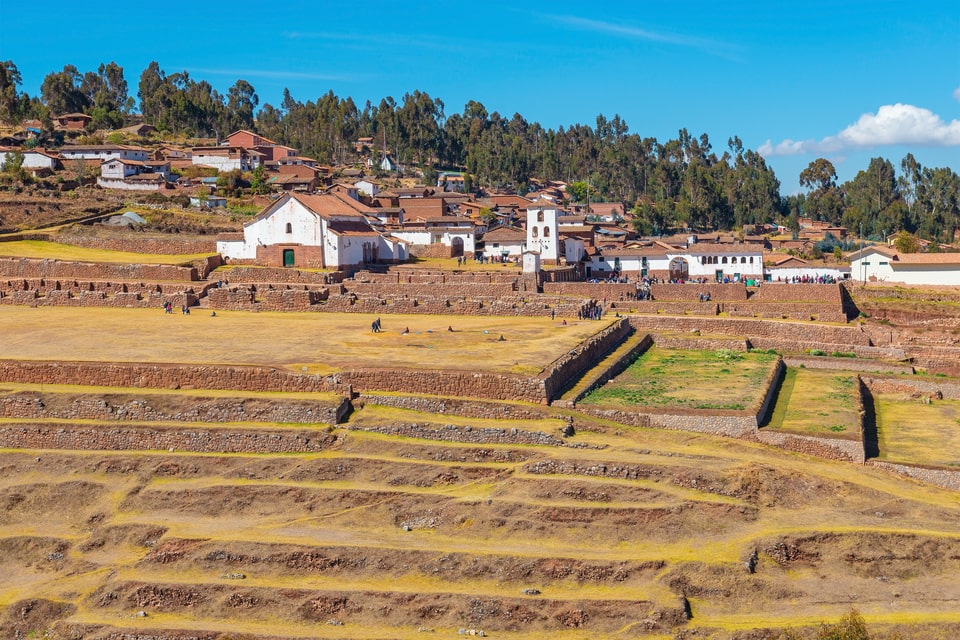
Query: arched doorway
(679, 269)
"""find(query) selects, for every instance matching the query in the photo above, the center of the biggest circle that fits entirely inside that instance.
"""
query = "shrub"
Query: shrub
(817, 352)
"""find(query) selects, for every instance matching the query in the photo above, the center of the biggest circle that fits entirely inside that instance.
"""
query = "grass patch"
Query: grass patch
(40, 249)
(817, 402)
(912, 432)
(722, 379)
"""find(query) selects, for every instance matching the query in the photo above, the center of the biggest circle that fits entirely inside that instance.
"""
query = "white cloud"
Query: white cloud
(714, 47)
(956, 94)
(892, 124)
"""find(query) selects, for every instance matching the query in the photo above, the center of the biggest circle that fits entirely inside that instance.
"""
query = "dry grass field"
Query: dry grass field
(913, 432)
(817, 402)
(41, 249)
(321, 342)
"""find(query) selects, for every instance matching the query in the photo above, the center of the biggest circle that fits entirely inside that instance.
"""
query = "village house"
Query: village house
(133, 175)
(321, 231)
(783, 268)
(504, 243)
(886, 264)
(367, 187)
(450, 231)
(72, 121)
(103, 152)
(716, 263)
(226, 159)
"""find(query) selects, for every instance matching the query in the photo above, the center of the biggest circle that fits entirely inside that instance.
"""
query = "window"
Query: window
(289, 228)
(881, 263)
(546, 232)
(724, 259)
(539, 216)
(866, 264)
(743, 260)
(533, 230)
(751, 259)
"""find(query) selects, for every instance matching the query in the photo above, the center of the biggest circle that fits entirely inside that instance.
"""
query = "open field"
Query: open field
(720, 379)
(817, 402)
(912, 432)
(41, 249)
(322, 342)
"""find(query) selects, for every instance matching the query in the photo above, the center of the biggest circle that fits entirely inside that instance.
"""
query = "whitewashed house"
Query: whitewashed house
(886, 264)
(504, 243)
(315, 231)
(132, 175)
(714, 262)
(367, 187)
(225, 159)
(452, 231)
(103, 152)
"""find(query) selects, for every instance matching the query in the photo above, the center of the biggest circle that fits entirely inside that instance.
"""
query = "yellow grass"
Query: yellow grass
(317, 341)
(912, 432)
(817, 402)
(56, 251)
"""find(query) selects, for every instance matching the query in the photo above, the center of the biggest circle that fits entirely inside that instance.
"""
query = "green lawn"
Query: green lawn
(912, 432)
(818, 402)
(678, 378)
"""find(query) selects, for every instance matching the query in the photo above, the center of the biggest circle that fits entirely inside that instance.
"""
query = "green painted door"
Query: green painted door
(288, 260)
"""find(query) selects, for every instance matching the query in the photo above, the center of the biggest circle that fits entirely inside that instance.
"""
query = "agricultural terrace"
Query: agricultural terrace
(675, 378)
(319, 343)
(817, 402)
(912, 432)
(41, 249)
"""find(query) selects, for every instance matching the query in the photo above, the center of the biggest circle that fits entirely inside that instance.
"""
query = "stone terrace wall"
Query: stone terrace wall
(946, 478)
(612, 291)
(457, 406)
(44, 286)
(846, 364)
(825, 294)
(457, 384)
(275, 275)
(206, 440)
(716, 422)
(146, 408)
(98, 299)
(774, 332)
(152, 376)
(451, 433)
(413, 275)
(562, 372)
(830, 448)
(654, 307)
(691, 291)
(421, 290)
(62, 270)
(912, 387)
(786, 310)
(169, 245)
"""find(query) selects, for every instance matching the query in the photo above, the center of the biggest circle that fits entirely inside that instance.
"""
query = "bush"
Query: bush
(817, 352)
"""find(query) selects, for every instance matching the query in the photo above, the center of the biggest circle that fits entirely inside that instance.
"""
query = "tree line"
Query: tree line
(682, 182)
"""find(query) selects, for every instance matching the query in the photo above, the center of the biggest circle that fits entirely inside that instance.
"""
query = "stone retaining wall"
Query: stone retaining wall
(830, 448)
(716, 422)
(169, 245)
(825, 294)
(562, 372)
(690, 292)
(846, 364)
(257, 275)
(448, 290)
(145, 408)
(457, 406)
(451, 433)
(946, 478)
(786, 310)
(63, 270)
(206, 440)
(784, 331)
(912, 387)
(612, 291)
(617, 367)
(416, 275)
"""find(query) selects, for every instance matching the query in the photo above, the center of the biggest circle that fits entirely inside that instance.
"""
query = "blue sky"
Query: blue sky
(796, 80)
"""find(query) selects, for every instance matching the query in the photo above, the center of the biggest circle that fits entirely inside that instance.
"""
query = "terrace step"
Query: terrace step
(608, 366)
